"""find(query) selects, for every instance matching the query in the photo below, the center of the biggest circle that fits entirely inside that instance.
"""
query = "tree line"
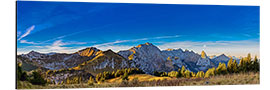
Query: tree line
(246, 64)
(123, 73)
(34, 78)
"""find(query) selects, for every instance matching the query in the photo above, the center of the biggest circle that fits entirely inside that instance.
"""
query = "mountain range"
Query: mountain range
(146, 57)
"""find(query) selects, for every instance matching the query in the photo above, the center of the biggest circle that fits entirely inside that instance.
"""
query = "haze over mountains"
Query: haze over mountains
(146, 57)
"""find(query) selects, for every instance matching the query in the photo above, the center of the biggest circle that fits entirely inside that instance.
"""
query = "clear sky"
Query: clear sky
(69, 26)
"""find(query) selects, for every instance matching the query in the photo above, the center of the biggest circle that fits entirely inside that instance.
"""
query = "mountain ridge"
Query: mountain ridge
(147, 57)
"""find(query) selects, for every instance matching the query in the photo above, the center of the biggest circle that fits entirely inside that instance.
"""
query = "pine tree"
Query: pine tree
(235, 67)
(230, 66)
(210, 72)
(37, 79)
(221, 69)
(19, 72)
(156, 73)
(256, 65)
(90, 81)
(163, 74)
(183, 69)
(249, 58)
(241, 64)
(98, 77)
(245, 65)
(125, 76)
(117, 73)
(187, 74)
(179, 73)
(173, 74)
(200, 74)
(192, 74)
(249, 62)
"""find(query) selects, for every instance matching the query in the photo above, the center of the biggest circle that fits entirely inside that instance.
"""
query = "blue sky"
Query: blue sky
(69, 26)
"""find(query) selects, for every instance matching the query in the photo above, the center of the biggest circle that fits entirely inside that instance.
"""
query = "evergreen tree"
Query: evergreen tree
(164, 74)
(200, 74)
(98, 77)
(256, 65)
(24, 76)
(90, 81)
(235, 67)
(210, 72)
(125, 76)
(248, 62)
(183, 69)
(249, 58)
(230, 66)
(37, 79)
(187, 74)
(173, 74)
(192, 74)
(221, 69)
(117, 73)
(19, 72)
(241, 64)
(179, 73)
(156, 73)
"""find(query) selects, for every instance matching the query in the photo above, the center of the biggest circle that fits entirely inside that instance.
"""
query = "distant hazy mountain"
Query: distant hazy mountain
(221, 58)
(147, 57)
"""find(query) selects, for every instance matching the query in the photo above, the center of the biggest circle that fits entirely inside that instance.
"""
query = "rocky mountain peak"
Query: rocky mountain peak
(204, 62)
(145, 45)
(203, 54)
(146, 57)
(222, 56)
(169, 49)
(89, 51)
(109, 51)
(146, 48)
(34, 52)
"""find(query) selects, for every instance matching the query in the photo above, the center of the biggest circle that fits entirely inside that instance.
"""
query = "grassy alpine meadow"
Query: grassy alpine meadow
(144, 80)
(104, 45)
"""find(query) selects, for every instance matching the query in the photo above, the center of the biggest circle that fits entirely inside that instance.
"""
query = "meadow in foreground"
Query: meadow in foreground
(144, 80)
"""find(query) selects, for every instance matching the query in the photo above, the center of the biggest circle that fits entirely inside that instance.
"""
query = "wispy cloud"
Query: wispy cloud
(56, 46)
(27, 42)
(28, 31)
(61, 43)
(162, 37)
(234, 48)
(134, 40)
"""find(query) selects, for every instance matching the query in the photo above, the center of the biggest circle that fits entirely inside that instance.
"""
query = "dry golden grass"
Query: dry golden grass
(140, 77)
(144, 80)
(236, 79)
(229, 79)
